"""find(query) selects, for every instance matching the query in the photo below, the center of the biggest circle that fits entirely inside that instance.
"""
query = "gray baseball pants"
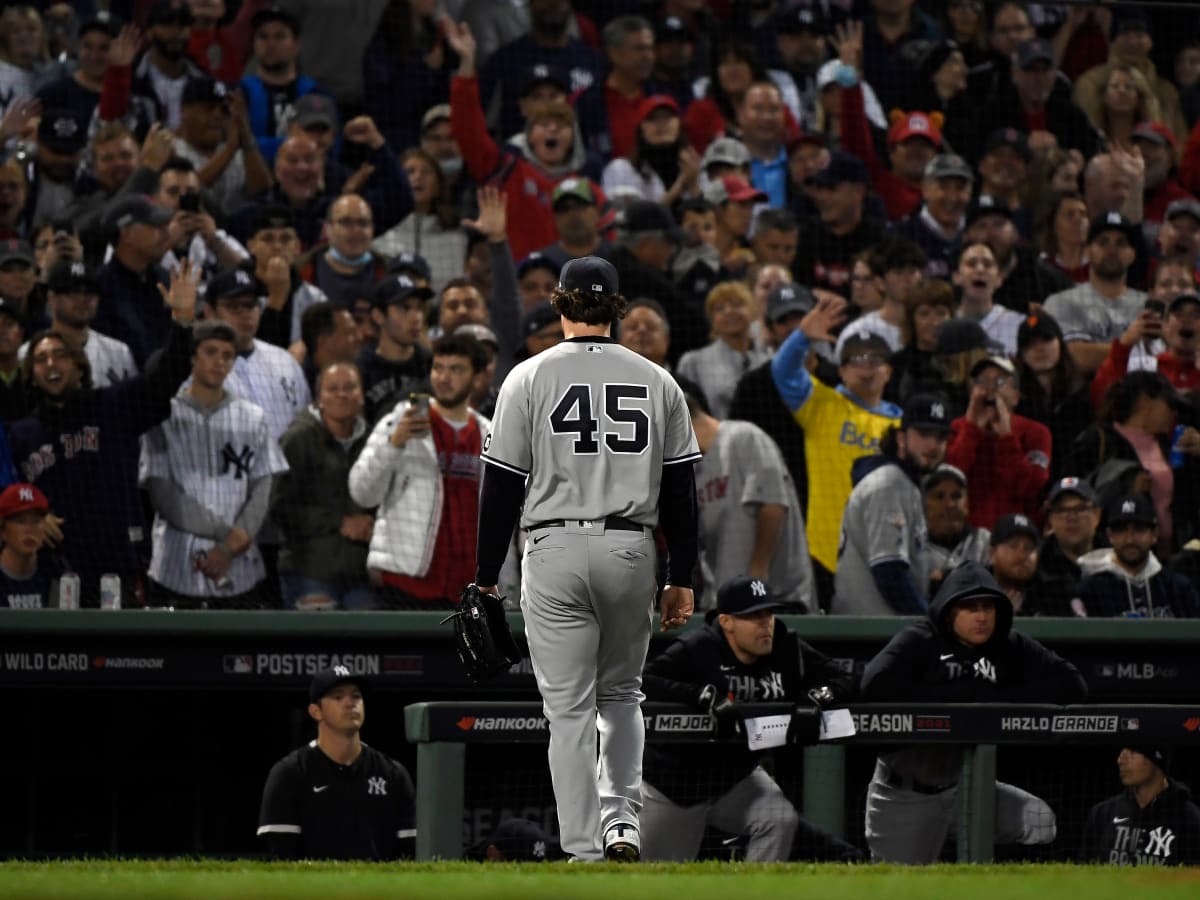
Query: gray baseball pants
(587, 596)
(905, 826)
(755, 807)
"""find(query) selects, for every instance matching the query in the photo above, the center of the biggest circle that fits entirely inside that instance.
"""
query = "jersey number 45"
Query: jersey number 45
(627, 425)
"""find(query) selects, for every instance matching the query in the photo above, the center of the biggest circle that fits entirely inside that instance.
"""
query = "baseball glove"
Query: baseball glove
(481, 635)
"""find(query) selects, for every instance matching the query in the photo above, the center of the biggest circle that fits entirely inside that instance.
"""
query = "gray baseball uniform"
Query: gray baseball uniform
(741, 471)
(1084, 314)
(590, 425)
(884, 521)
(216, 457)
(972, 548)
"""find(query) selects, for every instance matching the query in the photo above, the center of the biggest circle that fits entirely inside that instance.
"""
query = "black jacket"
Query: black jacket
(1066, 414)
(1029, 283)
(915, 372)
(1064, 120)
(694, 773)
(1055, 584)
(926, 662)
(1165, 833)
(689, 328)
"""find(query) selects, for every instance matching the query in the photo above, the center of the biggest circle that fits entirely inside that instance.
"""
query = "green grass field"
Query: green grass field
(143, 880)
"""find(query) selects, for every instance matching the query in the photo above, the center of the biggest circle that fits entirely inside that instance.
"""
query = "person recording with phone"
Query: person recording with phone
(56, 241)
(1174, 326)
(421, 470)
(192, 233)
(1006, 457)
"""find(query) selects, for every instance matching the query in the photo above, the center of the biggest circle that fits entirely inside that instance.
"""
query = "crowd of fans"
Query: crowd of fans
(925, 270)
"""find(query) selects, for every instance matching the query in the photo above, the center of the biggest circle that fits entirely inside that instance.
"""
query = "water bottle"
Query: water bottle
(110, 591)
(68, 591)
(1175, 460)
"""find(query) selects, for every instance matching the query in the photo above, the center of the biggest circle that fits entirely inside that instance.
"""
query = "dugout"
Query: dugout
(151, 732)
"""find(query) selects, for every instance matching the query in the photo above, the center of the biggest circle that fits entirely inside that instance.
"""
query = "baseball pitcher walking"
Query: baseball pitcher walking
(591, 446)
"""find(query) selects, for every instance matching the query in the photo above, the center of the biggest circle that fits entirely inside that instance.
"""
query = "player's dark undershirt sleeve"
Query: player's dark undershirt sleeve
(500, 500)
(678, 515)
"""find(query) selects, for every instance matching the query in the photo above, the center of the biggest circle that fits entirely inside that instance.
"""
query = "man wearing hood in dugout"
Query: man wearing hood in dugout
(964, 652)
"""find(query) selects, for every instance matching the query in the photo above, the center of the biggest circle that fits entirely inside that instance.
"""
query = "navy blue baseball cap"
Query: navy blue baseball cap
(273, 215)
(647, 217)
(518, 840)
(1072, 485)
(234, 283)
(671, 28)
(103, 21)
(843, 168)
(327, 679)
(987, 205)
(1156, 753)
(62, 130)
(410, 264)
(204, 89)
(537, 260)
(801, 20)
(1135, 508)
(70, 276)
(168, 12)
(929, 412)
(275, 14)
(538, 318)
(960, 336)
(137, 209)
(589, 274)
(541, 73)
(1114, 221)
(743, 595)
(397, 289)
(1011, 525)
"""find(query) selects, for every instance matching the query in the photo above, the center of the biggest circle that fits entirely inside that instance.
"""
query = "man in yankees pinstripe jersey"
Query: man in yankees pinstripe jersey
(263, 374)
(208, 472)
(72, 299)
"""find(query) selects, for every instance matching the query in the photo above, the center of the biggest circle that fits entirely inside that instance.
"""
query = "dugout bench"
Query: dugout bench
(442, 732)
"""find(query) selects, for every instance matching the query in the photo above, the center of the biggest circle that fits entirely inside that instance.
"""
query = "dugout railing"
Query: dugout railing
(443, 731)
(151, 732)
